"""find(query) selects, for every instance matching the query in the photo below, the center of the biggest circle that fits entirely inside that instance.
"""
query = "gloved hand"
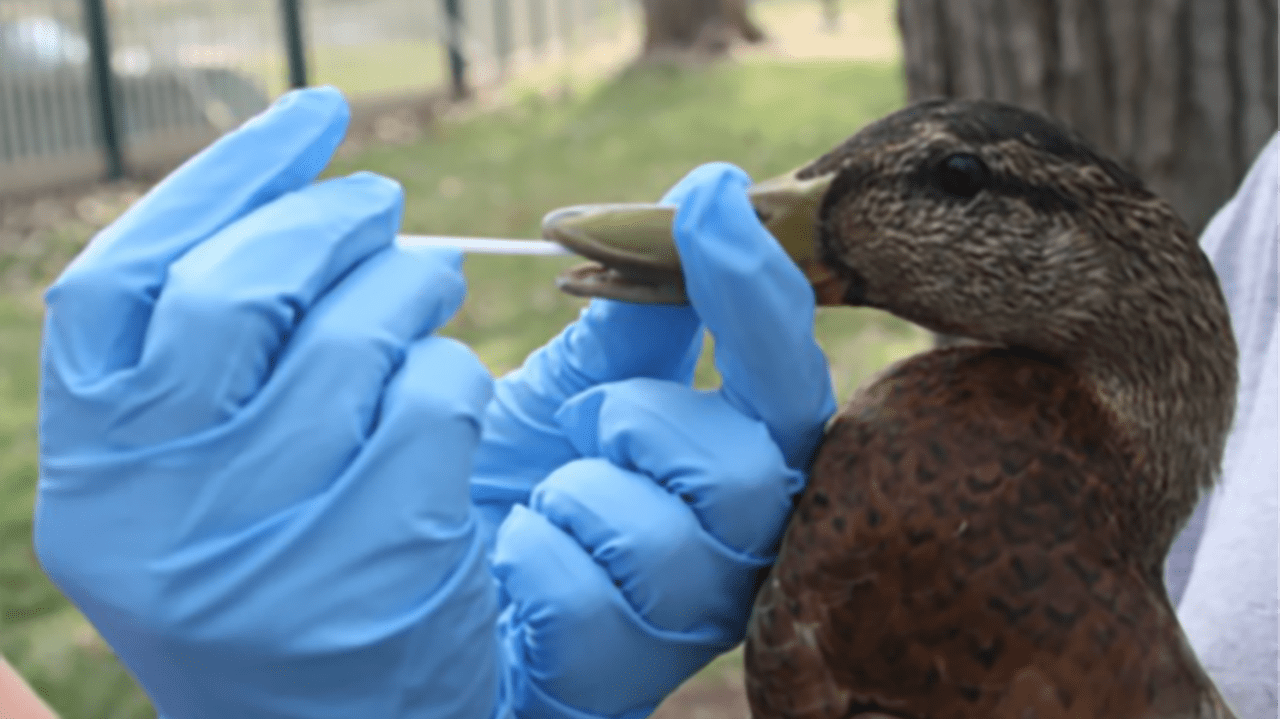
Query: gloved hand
(254, 455)
(678, 497)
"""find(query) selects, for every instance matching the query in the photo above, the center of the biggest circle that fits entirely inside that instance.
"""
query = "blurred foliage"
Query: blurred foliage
(492, 174)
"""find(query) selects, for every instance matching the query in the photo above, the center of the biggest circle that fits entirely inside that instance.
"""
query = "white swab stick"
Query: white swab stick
(485, 245)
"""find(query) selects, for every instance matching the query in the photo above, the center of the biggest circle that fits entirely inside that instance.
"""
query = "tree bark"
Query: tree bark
(831, 14)
(1183, 92)
(705, 27)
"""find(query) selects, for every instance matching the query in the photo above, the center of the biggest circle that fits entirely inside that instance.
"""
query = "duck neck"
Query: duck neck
(1170, 388)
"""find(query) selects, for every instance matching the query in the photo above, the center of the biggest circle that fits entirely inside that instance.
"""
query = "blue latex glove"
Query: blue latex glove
(678, 496)
(254, 455)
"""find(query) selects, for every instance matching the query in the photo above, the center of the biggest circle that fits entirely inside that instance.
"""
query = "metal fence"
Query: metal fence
(96, 87)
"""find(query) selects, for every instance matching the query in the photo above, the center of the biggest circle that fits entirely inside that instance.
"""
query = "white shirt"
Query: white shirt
(1228, 608)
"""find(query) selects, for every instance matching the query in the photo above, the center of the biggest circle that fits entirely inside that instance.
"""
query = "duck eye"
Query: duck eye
(962, 175)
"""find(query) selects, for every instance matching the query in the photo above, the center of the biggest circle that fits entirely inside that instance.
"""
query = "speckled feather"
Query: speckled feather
(984, 569)
(984, 528)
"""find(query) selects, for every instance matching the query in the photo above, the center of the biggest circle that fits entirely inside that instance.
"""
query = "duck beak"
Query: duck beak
(635, 258)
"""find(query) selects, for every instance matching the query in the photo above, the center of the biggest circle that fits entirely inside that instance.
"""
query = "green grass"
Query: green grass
(39, 632)
(372, 68)
(492, 174)
(25, 595)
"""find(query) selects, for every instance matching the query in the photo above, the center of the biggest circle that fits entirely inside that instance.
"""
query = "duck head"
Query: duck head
(983, 220)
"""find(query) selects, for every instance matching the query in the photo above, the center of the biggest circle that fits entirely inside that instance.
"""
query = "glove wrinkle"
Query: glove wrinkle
(608, 525)
(731, 483)
(567, 623)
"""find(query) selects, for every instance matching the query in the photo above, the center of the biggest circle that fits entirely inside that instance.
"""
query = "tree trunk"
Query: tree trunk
(1183, 92)
(705, 27)
(831, 14)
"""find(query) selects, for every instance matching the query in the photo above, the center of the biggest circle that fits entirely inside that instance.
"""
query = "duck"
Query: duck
(985, 525)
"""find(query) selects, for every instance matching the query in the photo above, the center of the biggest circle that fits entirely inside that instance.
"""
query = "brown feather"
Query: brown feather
(984, 529)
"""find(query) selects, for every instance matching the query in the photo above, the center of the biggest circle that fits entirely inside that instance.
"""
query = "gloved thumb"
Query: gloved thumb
(759, 308)
(610, 341)
(613, 341)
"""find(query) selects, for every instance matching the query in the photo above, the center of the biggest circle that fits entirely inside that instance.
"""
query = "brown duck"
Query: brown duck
(985, 527)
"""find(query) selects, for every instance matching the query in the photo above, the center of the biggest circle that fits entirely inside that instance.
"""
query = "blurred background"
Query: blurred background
(493, 112)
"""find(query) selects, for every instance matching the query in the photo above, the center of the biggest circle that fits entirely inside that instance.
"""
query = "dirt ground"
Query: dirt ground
(715, 693)
(703, 699)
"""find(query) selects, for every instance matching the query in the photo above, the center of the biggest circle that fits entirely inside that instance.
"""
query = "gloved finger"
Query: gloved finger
(566, 621)
(100, 306)
(610, 341)
(327, 391)
(758, 307)
(681, 190)
(400, 508)
(379, 565)
(699, 450)
(643, 536)
(230, 302)
(614, 340)
(421, 452)
(619, 340)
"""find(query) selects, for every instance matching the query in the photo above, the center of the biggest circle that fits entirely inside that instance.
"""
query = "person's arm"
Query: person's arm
(17, 699)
